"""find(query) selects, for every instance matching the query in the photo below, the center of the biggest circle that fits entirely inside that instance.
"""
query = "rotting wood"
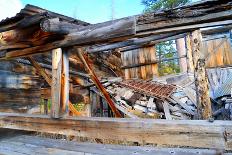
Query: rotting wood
(195, 133)
(98, 83)
(24, 144)
(64, 84)
(190, 67)
(201, 80)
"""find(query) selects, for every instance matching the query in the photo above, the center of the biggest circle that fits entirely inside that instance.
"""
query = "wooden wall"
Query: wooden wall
(218, 51)
(19, 87)
(139, 63)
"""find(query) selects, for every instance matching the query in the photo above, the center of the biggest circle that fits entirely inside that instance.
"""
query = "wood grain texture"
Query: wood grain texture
(37, 145)
(56, 82)
(201, 80)
(194, 133)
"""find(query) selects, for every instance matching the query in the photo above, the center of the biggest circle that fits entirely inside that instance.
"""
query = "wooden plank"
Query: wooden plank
(56, 82)
(167, 110)
(65, 84)
(190, 67)
(201, 81)
(91, 148)
(190, 133)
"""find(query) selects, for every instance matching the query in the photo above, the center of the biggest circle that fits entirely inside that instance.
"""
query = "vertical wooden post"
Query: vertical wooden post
(190, 67)
(60, 83)
(201, 81)
(180, 46)
(65, 84)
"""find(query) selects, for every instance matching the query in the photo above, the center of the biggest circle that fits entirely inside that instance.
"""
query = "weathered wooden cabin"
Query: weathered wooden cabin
(111, 69)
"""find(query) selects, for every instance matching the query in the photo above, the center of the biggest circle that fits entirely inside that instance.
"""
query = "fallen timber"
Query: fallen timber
(176, 20)
(195, 133)
(24, 144)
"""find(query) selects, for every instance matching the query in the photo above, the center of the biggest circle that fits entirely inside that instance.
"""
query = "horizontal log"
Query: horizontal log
(186, 28)
(216, 30)
(194, 133)
(206, 13)
(103, 32)
(59, 27)
(136, 41)
(31, 36)
(25, 22)
(151, 43)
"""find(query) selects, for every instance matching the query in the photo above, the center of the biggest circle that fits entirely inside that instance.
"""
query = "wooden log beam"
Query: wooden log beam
(216, 30)
(201, 80)
(32, 36)
(113, 30)
(59, 27)
(182, 133)
(137, 41)
(152, 62)
(151, 43)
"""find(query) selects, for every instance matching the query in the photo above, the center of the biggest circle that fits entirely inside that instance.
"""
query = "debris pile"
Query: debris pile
(152, 99)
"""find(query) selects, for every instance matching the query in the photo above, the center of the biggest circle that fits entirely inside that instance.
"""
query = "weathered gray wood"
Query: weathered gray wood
(152, 42)
(201, 80)
(194, 133)
(30, 143)
(166, 110)
(138, 41)
(56, 82)
(183, 105)
(57, 26)
(190, 66)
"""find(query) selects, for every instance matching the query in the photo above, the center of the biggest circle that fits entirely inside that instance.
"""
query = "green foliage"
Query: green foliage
(155, 5)
(167, 50)
(79, 106)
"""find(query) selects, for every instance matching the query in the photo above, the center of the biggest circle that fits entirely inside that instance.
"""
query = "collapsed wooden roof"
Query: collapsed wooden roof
(35, 30)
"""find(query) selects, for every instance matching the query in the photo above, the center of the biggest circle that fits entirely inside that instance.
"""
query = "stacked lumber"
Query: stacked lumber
(180, 104)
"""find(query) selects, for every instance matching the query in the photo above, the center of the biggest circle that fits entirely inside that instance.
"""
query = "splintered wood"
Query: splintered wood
(178, 102)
